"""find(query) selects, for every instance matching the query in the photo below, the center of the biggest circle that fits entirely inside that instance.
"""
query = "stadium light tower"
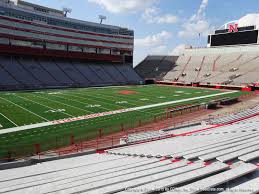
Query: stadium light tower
(66, 11)
(101, 17)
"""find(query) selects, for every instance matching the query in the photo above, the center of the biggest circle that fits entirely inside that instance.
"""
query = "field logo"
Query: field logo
(122, 102)
(54, 93)
(233, 28)
(93, 105)
(56, 111)
(161, 97)
(144, 99)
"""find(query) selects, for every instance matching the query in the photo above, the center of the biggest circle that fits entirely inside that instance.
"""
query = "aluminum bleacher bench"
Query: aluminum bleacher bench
(103, 182)
(180, 167)
(179, 179)
(249, 157)
(245, 144)
(222, 148)
(39, 175)
(178, 147)
(217, 142)
(249, 187)
(233, 155)
(218, 179)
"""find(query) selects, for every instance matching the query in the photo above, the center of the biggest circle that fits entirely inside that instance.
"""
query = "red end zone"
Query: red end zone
(127, 92)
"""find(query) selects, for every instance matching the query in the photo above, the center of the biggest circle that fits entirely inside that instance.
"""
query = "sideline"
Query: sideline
(92, 116)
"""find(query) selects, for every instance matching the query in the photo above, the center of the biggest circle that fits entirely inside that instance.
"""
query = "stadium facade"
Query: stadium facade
(40, 48)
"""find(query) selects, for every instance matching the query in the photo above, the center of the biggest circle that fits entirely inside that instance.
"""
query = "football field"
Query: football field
(27, 118)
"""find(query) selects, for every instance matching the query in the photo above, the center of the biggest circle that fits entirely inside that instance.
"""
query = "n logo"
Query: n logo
(233, 28)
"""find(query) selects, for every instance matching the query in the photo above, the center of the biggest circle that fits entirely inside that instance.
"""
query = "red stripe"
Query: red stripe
(163, 159)
(176, 160)
(60, 35)
(207, 163)
(57, 42)
(64, 29)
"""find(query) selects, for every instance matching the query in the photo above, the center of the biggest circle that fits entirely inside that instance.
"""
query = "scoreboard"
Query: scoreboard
(234, 36)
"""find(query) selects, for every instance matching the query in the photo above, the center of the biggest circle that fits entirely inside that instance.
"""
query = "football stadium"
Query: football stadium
(77, 117)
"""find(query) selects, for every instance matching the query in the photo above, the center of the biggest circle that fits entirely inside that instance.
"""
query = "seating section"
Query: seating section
(217, 157)
(18, 71)
(186, 129)
(55, 72)
(206, 145)
(224, 65)
(155, 67)
(221, 178)
(35, 73)
(165, 133)
(138, 137)
(235, 117)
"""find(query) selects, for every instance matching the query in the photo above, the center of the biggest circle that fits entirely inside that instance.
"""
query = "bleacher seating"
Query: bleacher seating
(155, 67)
(224, 65)
(226, 136)
(35, 73)
(165, 133)
(223, 155)
(55, 71)
(138, 137)
(235, 117)
(111, 174)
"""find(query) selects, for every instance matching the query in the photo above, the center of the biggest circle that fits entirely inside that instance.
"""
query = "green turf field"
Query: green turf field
(31, 109)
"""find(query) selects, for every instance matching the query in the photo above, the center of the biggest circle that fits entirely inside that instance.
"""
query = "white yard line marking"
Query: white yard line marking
(84, 103)
(43, 105)
(97, 115)
(9, 119)
(63, 103)
(111, 98)
(25, 109)
(101, 99)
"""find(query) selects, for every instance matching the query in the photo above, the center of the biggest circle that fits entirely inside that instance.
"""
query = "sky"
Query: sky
(163, 27)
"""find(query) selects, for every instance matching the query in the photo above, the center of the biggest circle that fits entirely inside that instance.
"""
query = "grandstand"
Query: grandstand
(231, 58)
(42, 48)
(156, 67)
(37, 73)
(236, 65)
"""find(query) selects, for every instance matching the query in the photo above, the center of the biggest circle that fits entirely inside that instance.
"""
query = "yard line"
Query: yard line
(85, 99)
(44, 105)
(75, 101)
(96, 100)
(111, 97)
(9, 119)
(62, 103)
(102, 100)
(111, 104)
(154, 100)
(25, 109)
(103, 114)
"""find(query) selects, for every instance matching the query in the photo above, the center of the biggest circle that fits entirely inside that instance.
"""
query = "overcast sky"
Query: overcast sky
(163, 26)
